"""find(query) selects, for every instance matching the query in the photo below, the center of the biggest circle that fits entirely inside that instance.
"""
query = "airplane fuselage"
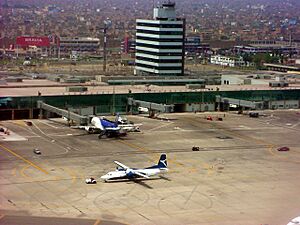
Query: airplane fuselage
(125, 174)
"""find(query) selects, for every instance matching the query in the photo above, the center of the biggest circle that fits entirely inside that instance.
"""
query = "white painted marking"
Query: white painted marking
(213, 130)
(161, 126)
(66, 150)
(296, 124)
(39, 129)
(12, 137)
(60, 135)
(48, 124)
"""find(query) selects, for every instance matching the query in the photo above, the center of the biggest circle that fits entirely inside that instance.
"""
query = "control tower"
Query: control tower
(160, 43)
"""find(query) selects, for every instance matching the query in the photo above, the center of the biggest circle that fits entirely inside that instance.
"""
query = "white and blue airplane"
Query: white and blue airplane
(125, 172)
(116, 128)
(104, 127)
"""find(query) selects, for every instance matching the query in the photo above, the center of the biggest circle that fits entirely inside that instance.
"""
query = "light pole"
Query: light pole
(114, 100)
(107, 24)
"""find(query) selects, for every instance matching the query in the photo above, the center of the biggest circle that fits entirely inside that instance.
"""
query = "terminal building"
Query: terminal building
(160, 43)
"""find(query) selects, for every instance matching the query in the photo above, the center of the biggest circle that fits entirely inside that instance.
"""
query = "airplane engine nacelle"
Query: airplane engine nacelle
(129, 173)
(89, 129)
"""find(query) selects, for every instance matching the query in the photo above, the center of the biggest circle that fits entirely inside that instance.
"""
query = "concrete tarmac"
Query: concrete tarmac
(237, 177)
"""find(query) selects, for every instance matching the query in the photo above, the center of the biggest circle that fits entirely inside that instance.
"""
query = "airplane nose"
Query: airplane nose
(103, 177)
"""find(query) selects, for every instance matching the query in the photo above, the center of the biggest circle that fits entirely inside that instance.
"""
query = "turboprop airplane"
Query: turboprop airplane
(125, 172)
(116, 128)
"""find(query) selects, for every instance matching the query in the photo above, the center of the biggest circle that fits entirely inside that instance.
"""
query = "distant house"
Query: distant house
(227, 61)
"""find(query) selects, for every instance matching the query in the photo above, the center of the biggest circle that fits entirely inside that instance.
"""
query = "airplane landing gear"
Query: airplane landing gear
(101, 135)
(109, 135)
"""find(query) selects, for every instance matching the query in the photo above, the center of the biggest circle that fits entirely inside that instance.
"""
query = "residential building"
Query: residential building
(227, 60)
(192, 45)
(79, 44)
(271, 48)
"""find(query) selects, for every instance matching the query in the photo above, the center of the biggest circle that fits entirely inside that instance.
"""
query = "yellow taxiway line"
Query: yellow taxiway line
(72, 174)
(25, 160)
(23, 171)
(19, 122)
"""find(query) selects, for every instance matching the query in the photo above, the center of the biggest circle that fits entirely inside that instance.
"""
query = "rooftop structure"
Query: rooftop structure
(165, 12)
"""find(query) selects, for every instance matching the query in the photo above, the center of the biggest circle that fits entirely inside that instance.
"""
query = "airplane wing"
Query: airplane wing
(130, 127)
(133, 171)
(140, 174)
(77, 127)
(121, 165)
(112, 128)
(89, 129)
(84, 127)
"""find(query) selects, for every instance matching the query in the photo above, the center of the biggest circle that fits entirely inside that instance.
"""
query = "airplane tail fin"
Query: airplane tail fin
(162, 163)
(120, 120)
(117, 118)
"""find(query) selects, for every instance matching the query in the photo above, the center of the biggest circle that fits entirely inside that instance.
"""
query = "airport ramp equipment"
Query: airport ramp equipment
(239, 102)
(151, 106)
(82, 120)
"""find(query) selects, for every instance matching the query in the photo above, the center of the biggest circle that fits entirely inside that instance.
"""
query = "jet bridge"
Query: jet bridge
(238, 102)
(151, 106)
(82, 120)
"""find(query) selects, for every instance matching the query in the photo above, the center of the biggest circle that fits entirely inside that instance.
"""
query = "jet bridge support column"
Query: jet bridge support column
(41, 113)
